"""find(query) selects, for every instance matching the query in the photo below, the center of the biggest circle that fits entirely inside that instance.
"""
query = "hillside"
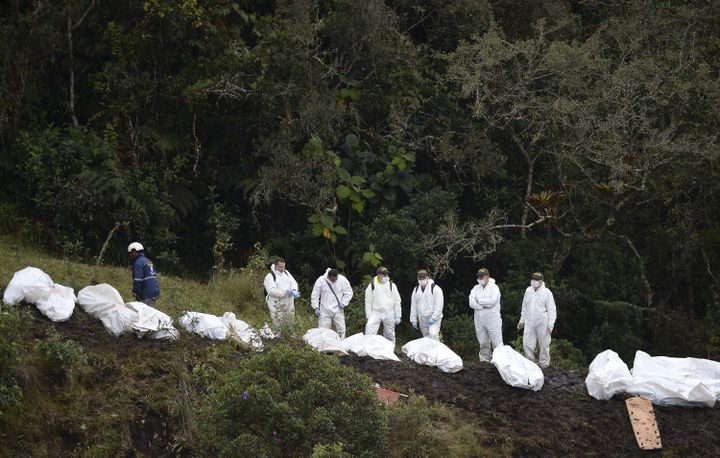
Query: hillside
(86, 393)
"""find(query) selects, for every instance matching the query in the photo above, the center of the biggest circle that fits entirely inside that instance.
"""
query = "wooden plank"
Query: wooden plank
(644, 423)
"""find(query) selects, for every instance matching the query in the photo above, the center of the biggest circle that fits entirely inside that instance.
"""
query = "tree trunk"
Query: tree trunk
(72, 68)
(528, 191)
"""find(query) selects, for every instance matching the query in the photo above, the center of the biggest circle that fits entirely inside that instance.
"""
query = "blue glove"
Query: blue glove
(296, 294)
(397, 321)
(431, 322)
(415, 325)
(342, 306)
(317, 311)
(289, 292)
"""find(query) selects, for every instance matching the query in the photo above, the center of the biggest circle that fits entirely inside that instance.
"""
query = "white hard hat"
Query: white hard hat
(135, 246)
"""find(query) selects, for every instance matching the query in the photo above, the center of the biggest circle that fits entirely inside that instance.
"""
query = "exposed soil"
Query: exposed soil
(559, 420)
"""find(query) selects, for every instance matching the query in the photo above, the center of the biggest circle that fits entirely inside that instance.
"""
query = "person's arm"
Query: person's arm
(398, 309)
(271, 287)
(525, 305)
(293, 283)
(137, 279)
(413, 307)
(346, 293)
(439, 299)
(551, 310)
(491, 299)
(315, 295)
(368, 299)
(473, 300)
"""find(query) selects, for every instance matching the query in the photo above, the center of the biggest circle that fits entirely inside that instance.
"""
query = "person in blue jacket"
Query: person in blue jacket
(146, 286)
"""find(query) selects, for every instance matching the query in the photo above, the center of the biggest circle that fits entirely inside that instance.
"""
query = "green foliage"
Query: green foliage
(330, 451)
(62, 359)
(288, 401)
(571, 137)
(458, 333)
(419, 428)
(618, 328)
(73, 182)
(565, 356)
(13, 328)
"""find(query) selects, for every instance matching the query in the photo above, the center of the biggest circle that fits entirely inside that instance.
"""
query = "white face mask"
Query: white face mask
(423, 282)
(481, 281)
(535, 283)
(384, 279)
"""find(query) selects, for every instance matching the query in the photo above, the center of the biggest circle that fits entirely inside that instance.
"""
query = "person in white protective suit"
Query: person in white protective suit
(538, 318)
(426, 306)
(330, 295)
(382, 305)
(281, 291)
(485, 300)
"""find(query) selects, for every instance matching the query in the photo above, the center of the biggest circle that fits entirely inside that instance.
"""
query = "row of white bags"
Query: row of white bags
(106, 304)
(515, 369)
(661, 379)
(423, 351)
(221, 328)
(34, 286)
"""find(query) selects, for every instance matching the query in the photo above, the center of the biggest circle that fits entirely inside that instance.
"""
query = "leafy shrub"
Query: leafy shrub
(61, 358)
(288, 401)
(619, 326)
(13, 326)
(458, 333)
(564, 355)
(72, 183)
(419, 428)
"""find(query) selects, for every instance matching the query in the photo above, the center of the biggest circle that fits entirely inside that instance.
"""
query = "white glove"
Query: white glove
(521, 324)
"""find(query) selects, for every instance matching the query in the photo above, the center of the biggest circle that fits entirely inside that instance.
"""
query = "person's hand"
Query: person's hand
(317, 311)
(521, 324)
(289, 293)
(296, 294)
(431, 322)
(342, 306)
(550, 329)
(414, 325)
(397, 321)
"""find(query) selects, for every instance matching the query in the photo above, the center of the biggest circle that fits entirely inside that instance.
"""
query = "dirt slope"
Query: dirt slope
(560, 420)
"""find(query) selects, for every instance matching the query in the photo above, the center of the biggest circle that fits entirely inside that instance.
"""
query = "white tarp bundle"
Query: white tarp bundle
(59, 305)
(516, 370)
(325, 341)
(374, 346)
(152, 322)
(105, 303)
(240, 330)
(431, 352)
(267, 333)
(675, 381)
(204, 325)
(607, 376)
(34, 286)
(28, 285)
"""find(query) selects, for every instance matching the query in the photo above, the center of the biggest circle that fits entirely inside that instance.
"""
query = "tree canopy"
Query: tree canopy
(579, 138)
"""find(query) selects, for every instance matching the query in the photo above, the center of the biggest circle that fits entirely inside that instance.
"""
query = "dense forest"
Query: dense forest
(578, 138)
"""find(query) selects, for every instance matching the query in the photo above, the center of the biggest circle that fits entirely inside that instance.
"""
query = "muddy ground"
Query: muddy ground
(560, 420)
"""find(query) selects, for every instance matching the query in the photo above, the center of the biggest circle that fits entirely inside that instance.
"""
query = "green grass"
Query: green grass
(103, 389)
(238, 291)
